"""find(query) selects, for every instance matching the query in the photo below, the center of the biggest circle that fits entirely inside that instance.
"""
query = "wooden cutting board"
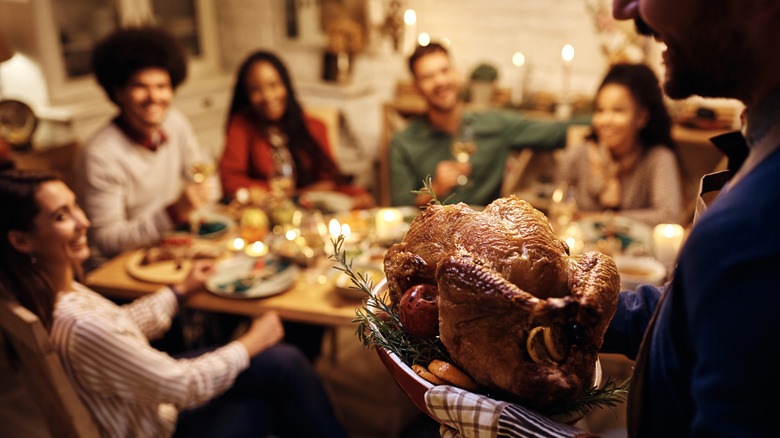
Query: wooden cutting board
(163, 272)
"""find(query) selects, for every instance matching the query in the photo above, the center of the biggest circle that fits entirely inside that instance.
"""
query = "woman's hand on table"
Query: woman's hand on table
(265, 331)
(201, 270)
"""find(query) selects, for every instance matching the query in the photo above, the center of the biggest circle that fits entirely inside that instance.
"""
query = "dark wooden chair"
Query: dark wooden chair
(41, 373)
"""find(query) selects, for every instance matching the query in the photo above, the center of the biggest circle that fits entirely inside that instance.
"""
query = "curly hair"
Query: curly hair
(126, 51)
(643, 85)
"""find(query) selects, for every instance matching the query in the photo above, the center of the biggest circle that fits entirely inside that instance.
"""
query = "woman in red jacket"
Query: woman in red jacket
(270, 139)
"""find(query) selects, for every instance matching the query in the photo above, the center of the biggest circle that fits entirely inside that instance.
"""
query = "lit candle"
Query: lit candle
(389, 222)
(518, 60)
(256, 249)
(564, 106)
(410, 32)
(667, 240)
(236, 244)
(334, 228)
(346, 231)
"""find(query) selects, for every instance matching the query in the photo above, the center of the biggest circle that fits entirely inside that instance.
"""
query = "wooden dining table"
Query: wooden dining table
(307, 301)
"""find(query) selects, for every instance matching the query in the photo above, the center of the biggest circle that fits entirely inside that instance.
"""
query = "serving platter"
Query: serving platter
(415, 386)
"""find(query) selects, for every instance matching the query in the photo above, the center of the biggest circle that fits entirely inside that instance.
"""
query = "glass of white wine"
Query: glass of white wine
(463, 147)
(200, 172)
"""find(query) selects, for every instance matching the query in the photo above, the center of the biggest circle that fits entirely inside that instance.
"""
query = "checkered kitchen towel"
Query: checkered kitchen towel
(465, 414)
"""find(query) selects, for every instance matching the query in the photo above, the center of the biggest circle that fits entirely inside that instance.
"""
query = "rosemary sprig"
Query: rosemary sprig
(378, 322)
(427, 189)
(610, 394)
(379, 326)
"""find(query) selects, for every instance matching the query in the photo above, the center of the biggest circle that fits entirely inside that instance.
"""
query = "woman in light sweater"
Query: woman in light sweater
(252, 386)
(628, 164)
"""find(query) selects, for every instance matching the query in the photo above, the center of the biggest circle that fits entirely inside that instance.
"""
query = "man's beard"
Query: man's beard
(709, 72)
(713, 66)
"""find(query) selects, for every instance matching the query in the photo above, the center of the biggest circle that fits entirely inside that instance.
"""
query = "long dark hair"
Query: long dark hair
(20, 278)
(643, 85)
(301, 142)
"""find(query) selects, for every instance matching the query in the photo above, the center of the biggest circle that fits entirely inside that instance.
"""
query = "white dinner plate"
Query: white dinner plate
(628, 231)
(245, 277)
(329, 202)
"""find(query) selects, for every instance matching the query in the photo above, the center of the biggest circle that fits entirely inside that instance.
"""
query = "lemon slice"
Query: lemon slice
(534, 344)
(555, 343)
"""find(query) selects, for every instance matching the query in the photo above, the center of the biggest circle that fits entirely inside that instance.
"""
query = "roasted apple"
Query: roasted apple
(419, 310)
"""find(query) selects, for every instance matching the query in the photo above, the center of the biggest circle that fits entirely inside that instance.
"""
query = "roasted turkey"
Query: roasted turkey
(501, 273)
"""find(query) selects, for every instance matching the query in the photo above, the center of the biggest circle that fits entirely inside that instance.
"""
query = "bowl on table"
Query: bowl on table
(635, 271)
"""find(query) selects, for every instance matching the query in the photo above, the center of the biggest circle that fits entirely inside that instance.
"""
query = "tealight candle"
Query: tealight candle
(237, 244)
(256, 249)
(667, 240)
(389, 222)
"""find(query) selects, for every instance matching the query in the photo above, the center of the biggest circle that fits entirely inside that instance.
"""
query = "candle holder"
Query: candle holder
(389, 225)
(667, 241)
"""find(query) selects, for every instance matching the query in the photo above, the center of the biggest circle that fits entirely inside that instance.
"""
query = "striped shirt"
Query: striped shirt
(132, 389)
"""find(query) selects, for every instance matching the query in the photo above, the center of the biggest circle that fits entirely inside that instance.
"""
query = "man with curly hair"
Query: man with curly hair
(134, 171)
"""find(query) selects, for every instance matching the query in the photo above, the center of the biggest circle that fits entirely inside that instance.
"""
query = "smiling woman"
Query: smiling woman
(129, 387)
(628, 163)
(272, 144)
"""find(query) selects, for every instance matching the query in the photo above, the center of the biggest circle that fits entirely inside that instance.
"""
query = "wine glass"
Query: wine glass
(463, 147)
(562, 207)
(200, 172)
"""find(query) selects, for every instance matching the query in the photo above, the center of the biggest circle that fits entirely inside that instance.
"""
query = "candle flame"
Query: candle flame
(291, 234)
(388, 215)
(669, 231)
(238, 243)
(256, 249)
(518, 59)
(334, 228)
(424, 39)
(410, 17)
(567, 53)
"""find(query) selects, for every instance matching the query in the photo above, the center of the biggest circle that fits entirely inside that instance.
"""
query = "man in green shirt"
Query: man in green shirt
(423, 148)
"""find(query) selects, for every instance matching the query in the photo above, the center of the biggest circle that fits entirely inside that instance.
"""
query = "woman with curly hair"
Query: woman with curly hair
(628, 163)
